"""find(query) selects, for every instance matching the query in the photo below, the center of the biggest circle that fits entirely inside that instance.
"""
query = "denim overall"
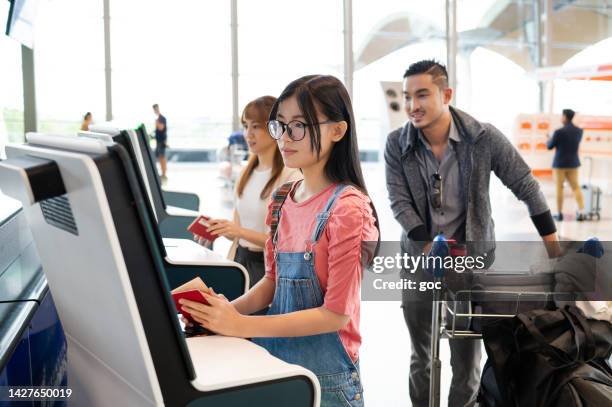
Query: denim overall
(297, 288)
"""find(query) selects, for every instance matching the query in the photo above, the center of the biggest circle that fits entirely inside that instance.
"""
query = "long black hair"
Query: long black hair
(327, 95)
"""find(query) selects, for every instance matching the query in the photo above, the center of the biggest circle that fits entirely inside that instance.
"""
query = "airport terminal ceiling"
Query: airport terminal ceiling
(504, 26)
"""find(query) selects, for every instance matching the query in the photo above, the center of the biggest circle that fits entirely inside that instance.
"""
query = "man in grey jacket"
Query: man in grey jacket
(437, 170)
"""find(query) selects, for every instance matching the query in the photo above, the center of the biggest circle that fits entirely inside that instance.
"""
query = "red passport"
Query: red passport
(199, 226)
(192, 295)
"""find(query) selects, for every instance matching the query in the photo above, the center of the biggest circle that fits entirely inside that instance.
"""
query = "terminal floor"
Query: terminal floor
(385, 350)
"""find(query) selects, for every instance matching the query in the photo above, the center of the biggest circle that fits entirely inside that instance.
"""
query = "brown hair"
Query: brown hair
(259, 110)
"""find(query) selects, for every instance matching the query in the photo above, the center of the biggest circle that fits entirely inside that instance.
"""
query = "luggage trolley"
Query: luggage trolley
(592, 194)
(462, 316)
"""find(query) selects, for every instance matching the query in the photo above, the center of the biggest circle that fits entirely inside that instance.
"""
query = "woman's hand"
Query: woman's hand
(225, 228)
(220, 316)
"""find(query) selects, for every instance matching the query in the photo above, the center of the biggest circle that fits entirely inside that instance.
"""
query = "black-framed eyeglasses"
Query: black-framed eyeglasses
(295, 129)
(436, 191)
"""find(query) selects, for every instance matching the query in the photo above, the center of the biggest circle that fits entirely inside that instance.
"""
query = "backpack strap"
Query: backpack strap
(278, 199)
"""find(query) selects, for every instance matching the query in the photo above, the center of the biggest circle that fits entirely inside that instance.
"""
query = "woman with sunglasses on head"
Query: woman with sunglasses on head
(314, 261)
(263, 173)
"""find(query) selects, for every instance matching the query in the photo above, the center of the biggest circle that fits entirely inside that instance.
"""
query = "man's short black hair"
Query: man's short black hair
(569, 114)
(155, 106)
(432, 67)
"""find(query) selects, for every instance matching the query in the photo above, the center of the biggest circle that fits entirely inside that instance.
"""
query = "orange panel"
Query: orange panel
(543, 126)
(525, 125)
(524, 146)
(595, 124)
(542, 173)
(596, 152)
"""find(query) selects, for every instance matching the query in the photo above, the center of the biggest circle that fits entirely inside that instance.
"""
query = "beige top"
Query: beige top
(252, 210)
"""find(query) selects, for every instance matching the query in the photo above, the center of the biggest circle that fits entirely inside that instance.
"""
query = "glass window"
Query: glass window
(588, 97)
(387, 37)
(496, 47)
(11, 96)
(281, 40)
(177, 55)
(589, 22)
(69, 64)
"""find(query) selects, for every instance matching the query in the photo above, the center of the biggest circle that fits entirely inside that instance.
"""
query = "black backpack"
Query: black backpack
(545, 358)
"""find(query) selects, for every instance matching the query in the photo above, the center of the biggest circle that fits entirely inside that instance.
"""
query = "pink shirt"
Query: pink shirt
(337, 254)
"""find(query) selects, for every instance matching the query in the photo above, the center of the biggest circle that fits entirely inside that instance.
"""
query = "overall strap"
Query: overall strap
(323, 216)
(278, 198)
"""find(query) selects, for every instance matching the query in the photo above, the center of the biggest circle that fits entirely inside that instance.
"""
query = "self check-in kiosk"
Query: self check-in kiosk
(100, 250)
(172, 201)
(183, 258)
(174, 210)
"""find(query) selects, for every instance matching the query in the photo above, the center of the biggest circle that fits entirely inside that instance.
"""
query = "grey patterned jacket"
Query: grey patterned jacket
(485, 149)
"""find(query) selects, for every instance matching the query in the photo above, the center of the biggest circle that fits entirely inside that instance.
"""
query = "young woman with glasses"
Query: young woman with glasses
(263, 173)
(314, 261)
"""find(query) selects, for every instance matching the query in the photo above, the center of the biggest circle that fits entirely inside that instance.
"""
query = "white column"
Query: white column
(451, 42)
(30, 121)
(234, 29)
(547, 98)
(107, 62)
(537, 49)
(348, 46)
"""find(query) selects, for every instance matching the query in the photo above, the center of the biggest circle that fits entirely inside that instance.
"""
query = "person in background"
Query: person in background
(438, 168)
(237, 139)
(236, 147)
(161, 139)
(87, 120)
(263, 173)
(566, 162)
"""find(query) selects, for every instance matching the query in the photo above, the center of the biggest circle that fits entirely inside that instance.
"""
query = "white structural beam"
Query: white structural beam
(349, 64)
(107, 62)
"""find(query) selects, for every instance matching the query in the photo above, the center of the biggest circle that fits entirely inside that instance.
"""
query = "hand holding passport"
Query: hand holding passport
(192, 290)
(199, 227)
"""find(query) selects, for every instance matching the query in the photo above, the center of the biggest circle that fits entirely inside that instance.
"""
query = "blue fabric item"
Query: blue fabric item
(593, 247)
(237, 137)
(160, 149)
(297, 289)
(439, 248)
(161, 135)
(566, 141)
